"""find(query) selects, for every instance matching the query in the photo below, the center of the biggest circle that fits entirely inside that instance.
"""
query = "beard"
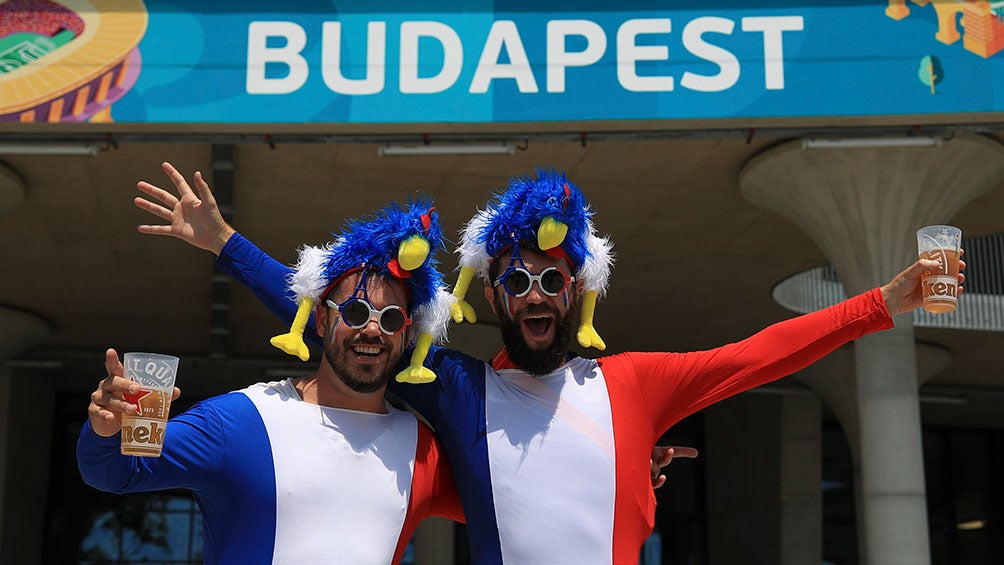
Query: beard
(537, 362)
(359, 378)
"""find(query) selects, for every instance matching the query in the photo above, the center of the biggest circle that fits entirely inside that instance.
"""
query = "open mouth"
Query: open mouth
(538, 325)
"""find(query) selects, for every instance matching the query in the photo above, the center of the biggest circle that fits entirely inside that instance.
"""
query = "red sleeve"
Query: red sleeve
(675, 385)
(433, 492)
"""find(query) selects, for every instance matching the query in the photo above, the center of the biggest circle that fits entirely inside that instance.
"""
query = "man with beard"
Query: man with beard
(319, 468)
(520, 429)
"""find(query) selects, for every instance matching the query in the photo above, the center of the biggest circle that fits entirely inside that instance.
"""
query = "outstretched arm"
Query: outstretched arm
(679, 384)
(192, 215)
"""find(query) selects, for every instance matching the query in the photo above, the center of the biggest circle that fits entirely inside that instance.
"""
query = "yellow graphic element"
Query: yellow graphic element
(984, 31)
(57, 86)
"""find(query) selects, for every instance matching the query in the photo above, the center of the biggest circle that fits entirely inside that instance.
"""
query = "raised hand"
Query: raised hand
(191, 217)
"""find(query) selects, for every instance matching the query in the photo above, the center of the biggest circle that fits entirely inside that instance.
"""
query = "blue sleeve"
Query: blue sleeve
(265, 276)
(193, 450)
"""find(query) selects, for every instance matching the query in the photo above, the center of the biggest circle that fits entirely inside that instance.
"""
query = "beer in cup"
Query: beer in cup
(941, 284)
(143, 433)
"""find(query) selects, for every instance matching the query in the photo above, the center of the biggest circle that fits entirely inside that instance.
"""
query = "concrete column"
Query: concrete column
(772, 515)
(11, 189)
(833, 379)
(862, 207)
(742, 456)
(800, 480)
(17, 330)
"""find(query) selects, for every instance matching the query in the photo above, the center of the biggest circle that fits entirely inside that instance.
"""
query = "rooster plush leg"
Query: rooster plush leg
(416, 373)
(587, 335)
(292, 342)
(461, 310)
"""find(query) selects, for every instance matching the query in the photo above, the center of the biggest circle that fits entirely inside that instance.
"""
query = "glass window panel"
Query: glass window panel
(88, 526)
(102, 538)
(197, 540)
(178, 503)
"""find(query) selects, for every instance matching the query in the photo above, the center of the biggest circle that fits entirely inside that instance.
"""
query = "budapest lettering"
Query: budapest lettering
(188, 61)
(277, 64)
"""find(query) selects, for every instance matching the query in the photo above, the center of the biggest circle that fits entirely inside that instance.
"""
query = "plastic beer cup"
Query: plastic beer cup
(940, 285)
(143, 433)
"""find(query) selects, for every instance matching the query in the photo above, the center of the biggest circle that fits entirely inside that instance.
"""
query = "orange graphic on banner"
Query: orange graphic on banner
(984, 29)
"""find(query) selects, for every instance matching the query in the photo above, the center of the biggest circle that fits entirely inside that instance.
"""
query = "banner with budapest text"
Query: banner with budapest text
(300, 61)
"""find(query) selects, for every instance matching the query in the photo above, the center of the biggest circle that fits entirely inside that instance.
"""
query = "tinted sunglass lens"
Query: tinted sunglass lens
(392, 320)
(356, 313)
(517, 283)
(552, 281)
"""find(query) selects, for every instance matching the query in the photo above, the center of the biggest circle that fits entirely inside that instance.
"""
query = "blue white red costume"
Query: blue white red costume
(280, 480)
(556, 469)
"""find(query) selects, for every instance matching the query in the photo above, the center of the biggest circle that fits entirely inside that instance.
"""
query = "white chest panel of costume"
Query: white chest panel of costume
(343, 478)
(551, 454)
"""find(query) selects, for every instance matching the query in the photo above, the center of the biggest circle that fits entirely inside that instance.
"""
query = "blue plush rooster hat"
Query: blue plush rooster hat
(396, 242)
(546, 211)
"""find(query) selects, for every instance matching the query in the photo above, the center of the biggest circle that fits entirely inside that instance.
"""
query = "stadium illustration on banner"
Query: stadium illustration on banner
(67, 61)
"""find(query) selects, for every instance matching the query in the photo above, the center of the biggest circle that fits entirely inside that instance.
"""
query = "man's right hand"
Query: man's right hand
(194, 219)
(108, 401)
(662, 456)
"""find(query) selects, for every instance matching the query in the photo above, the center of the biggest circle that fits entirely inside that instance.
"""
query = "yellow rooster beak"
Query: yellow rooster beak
(551, 233)
(413, 252)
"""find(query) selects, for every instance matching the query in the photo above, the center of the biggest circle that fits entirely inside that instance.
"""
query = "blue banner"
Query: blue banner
(506, 61)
